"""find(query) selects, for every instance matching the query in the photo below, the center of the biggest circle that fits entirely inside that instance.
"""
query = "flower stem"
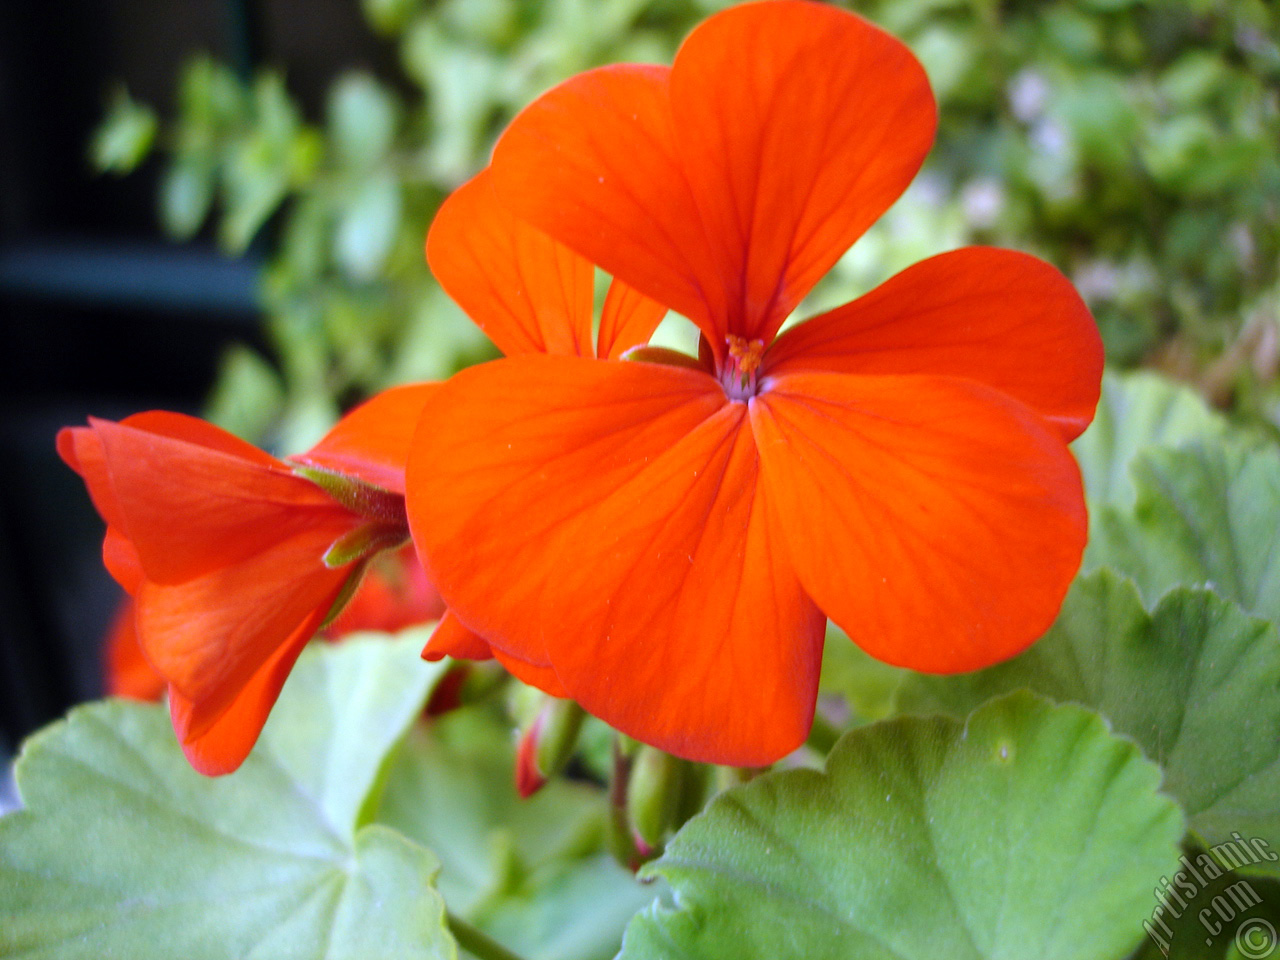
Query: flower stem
(479, 945)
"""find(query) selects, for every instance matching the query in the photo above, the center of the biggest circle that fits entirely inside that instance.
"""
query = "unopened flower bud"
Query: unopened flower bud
(621, 841)
(547, 743)
(529, 780)
(620, 837)
(693, 793)
(558, 738)
(654, 794)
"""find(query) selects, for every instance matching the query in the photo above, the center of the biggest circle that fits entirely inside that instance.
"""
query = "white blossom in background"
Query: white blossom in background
(1028, 94)
(983, 202)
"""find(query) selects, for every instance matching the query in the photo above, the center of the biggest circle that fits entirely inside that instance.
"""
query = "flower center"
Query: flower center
(739, 374)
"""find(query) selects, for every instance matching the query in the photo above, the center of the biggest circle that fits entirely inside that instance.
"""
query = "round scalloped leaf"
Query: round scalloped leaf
(1028, 831)
(1207, 515)
(1196, 683)
(124, 851)
(1137, 411)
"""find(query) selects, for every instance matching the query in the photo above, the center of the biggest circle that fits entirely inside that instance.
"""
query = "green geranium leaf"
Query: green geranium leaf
(1137, 411)
(186, 194)
(253, 187)
(275, 153)
(1196, 684)
(530, 873)
(362, 120)
(1206, 515)
(124, 851)
(367, 228)
(1028, 831)
(389, 16)
(126, 136)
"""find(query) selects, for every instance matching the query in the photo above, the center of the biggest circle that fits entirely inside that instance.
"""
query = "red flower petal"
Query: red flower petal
(543, 677)
(1003, 318)
(372, 441)
(594, 164)
(609, 515)
(728, 188)
(481, 494)
(527, 292)
(189, 507)
(209, 635)
(937, 521)
(81, 450)
(706, 644)
(128, 672)
(451, 639)
(121, 560)
(216, 736)
(799, 125)
(179, 426)
(627, 320)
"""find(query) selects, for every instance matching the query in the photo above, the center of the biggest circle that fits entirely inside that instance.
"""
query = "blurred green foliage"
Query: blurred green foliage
(1134, 144)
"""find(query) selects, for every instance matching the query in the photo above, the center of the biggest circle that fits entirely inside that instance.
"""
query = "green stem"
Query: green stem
(478, 944)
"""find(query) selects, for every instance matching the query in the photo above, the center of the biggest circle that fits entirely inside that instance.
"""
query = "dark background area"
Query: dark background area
(100, 315)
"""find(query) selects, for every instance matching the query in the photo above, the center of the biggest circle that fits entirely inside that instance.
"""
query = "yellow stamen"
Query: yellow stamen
(746, 354)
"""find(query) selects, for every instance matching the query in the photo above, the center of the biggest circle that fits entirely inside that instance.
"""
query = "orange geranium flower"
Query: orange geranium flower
(394, 593)
(234, 559)
(664, 540)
